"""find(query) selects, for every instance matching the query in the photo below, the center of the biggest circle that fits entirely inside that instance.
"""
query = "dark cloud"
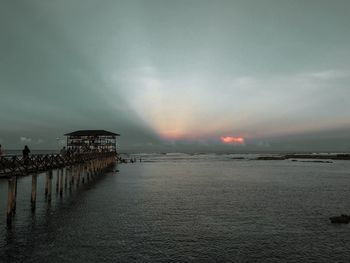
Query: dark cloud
(275, 72)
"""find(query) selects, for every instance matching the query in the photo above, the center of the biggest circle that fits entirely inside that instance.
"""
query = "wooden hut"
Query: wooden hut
(92, 141)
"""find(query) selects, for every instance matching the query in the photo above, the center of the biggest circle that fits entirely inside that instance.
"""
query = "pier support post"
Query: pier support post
(87, 172)
(57, 180)
(83, 174)
(72, 175)
(66, 178)
(61, 182)
(78, 175)
(10, 200)
(33, 195)
(46, 184)
(14, 195)
(49, 188)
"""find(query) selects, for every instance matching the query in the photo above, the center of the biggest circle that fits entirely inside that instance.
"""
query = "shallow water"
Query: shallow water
(199, 208)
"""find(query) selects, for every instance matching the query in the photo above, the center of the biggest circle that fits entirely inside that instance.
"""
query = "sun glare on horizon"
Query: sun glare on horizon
(232, 140)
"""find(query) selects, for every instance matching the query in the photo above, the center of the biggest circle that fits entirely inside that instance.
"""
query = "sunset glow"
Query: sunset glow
(232, 140)
(172, 135)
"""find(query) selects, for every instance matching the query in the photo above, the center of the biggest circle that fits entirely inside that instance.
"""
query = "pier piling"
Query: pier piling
(14, 194)
(70, 177)
(57, 180)
(33, 194)
(49, 188)
(61, 182)
(10, 200)
(46, 184)
(66, 178)
(83, 174)
(78, 175)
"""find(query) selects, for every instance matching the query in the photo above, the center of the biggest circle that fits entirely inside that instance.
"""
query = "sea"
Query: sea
(186, 208)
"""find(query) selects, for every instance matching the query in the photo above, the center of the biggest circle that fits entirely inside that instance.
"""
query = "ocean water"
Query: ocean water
(187, 208)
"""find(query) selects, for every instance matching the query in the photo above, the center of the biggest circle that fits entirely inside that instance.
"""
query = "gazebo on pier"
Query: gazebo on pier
(92, 141)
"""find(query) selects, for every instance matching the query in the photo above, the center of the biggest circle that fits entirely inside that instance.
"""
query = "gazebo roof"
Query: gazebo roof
(91, 133)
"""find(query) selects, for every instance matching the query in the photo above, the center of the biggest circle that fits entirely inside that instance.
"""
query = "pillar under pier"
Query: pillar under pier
(10, 200)
(49, 187)
(61, 182)
(33, 194)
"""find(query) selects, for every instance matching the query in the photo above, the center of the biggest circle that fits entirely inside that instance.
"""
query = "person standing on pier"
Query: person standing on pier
(25, 153)
(63, 152)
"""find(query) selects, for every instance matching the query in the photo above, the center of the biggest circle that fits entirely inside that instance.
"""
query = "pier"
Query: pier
(88, 155)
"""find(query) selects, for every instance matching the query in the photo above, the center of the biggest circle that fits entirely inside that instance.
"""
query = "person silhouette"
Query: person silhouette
(25, 153)
(63, 152)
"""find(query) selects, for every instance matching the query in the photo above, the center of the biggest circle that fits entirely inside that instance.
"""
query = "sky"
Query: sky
(185, 75)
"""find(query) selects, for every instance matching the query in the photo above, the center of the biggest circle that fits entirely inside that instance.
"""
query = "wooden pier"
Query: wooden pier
(70, 170)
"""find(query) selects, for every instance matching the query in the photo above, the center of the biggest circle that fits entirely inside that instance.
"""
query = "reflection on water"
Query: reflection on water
(187, 208)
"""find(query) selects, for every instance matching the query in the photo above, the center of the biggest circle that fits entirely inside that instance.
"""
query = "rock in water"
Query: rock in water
(343, 219)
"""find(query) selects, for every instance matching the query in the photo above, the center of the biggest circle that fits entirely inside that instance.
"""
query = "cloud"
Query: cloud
(137, 68)
(25, 139)
(39, 141)
(198, 105)
(328, 74)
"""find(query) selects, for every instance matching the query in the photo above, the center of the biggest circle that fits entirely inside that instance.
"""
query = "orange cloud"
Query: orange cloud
(232, 140)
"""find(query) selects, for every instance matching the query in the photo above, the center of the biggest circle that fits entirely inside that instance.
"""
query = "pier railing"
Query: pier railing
(14, 165)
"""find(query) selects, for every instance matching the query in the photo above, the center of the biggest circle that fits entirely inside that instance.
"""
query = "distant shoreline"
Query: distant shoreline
(263, 156)
(307, 156)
